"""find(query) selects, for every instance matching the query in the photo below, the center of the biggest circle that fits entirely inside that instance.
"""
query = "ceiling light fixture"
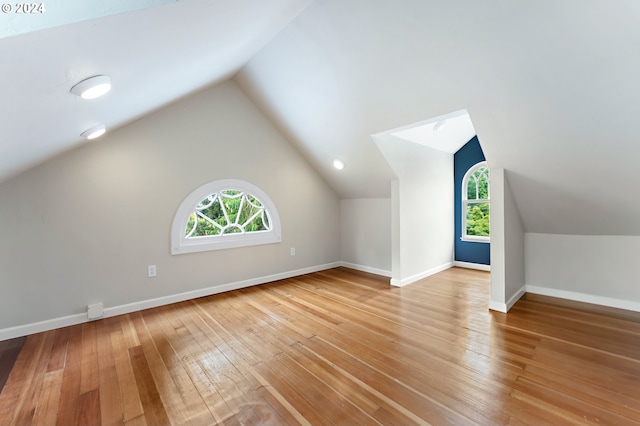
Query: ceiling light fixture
(338, 164)
(94, 132)
(92, 87)
(439, 125)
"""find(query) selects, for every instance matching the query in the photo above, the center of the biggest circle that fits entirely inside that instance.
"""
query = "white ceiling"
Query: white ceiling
(447, 133)
(551, 87)
(153, 55)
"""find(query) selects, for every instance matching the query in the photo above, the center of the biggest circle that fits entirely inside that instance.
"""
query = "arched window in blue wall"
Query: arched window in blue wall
(476, 198)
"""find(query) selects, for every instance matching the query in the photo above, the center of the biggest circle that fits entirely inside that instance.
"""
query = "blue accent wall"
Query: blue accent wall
(466, 251)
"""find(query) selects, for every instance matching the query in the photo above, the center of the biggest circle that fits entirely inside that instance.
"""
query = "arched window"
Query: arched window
(223, 214)
(476, 196)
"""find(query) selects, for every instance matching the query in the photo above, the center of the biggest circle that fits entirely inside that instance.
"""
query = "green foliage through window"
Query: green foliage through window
(476, 203)
(227, 212)
(478, 185)
(478, 219)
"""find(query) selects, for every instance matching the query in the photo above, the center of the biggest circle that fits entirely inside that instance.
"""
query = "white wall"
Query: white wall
(424, 202)
(396, 273)
(366, 234)
(83, 227)
(507, 245)
(595, 269)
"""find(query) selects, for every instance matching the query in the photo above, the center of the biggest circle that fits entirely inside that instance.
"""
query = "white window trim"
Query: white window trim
(180, 244)
(465, 202)
(476, 239)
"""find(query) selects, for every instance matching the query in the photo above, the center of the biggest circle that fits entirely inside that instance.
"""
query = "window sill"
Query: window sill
(476, 239)
(225, 242)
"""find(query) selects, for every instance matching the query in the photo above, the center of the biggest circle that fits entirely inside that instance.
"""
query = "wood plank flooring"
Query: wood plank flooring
(9, 350)
(336, 347)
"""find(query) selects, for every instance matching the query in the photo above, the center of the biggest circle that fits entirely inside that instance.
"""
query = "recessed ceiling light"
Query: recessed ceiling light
(92, 87)
(338, 164)
(94, 132)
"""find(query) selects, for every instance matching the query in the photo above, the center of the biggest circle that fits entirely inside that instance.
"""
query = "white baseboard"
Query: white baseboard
(504, 307)
(516, 297)
(37, 327)
(469, 265)
(369, 269)
(584, 297)
(498, 306)
(422, 275)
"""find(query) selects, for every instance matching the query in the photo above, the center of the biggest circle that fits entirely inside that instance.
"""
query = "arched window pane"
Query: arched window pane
(229, 211)
(475, 203)
(223, 214)
(472, 188)
(483, 185)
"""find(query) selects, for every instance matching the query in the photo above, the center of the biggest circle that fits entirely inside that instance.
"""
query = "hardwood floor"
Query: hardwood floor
(336, 347)
(9, 350)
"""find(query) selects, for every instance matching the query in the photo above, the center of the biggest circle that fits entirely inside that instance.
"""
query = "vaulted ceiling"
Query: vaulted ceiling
(153, 55)
(551, 87)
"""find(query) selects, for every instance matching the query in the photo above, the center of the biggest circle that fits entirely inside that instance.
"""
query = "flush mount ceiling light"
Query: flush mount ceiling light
(94, 132)
(338, 164)
(439, 125)
(92, 87)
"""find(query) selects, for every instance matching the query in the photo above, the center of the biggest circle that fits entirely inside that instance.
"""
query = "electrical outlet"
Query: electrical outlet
(151, 271)
(293, 251)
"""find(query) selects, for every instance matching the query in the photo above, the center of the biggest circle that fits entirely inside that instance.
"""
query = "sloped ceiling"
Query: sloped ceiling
(551, 86)
(153, 55)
